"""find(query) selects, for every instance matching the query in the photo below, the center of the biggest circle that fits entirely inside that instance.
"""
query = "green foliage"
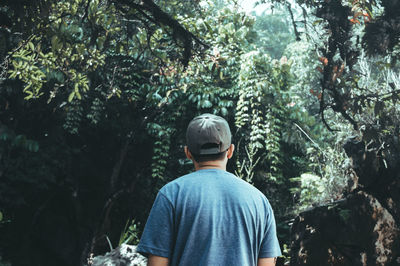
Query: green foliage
(260, 111)
(286, 253)
(274, 24)
(130, 234)
(336, 79)
(311, 190)
(208, 84)
(4, 263)
(59, 47)
(160, 149)
(7, 136)
(304, 63)
(26, 70)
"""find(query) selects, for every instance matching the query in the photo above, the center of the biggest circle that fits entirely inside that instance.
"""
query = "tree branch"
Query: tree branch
(159, 17)
(296, 32)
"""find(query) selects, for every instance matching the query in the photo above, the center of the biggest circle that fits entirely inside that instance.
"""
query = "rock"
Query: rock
(362, 229)
(355, 231)
(124, 255)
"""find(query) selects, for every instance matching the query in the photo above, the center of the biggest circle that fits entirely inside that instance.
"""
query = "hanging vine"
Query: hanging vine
(260, 109)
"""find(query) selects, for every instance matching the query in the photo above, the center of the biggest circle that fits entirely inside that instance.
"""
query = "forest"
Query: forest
(96, 96)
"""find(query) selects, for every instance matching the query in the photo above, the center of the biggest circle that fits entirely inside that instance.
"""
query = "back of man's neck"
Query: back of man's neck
(209, 165)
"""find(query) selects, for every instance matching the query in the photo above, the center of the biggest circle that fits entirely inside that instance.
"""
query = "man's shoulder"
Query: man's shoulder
(179, 179)
(213, 178)
(176, 183)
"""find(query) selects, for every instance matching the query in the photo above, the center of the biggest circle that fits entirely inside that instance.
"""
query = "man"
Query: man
(210, 217)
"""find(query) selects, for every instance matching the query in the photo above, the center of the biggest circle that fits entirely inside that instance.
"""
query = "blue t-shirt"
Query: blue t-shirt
(210, 217)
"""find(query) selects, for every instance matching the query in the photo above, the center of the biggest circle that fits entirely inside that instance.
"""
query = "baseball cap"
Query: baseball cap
(208, 134)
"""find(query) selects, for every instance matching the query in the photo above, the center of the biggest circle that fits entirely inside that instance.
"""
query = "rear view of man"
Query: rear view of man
(210, 217)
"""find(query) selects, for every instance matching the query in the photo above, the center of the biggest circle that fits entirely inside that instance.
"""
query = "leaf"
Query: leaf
(1, 216)
(13, 74)
(354, 21)
(208, 27)
(30, 44)
(54, 42)
(317, 22)
(206, 104)
(212, 67)
(71, 96)
(76, 87)
(323, 60)
(35, 147)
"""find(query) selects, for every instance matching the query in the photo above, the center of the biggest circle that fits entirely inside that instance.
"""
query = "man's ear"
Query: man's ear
(230, 151)
(187, 153)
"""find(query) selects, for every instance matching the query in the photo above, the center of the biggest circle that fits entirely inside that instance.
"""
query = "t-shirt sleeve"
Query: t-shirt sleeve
(157, 237)
(270, 245)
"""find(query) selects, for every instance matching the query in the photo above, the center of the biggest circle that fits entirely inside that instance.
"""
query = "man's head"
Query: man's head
(208, 138)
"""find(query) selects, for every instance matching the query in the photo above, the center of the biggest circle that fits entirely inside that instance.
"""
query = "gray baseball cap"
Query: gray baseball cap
(208, 134)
